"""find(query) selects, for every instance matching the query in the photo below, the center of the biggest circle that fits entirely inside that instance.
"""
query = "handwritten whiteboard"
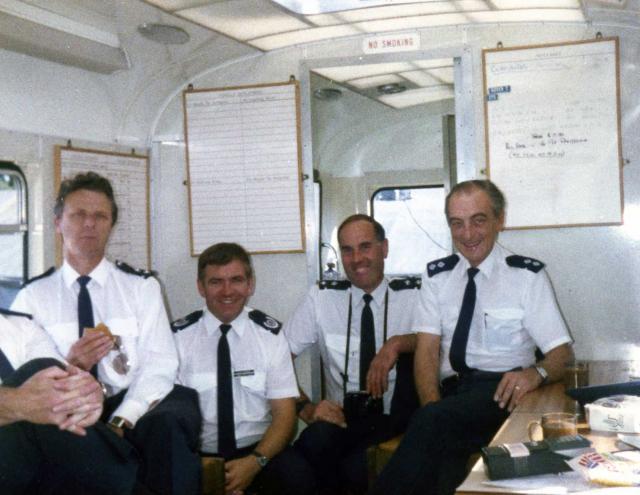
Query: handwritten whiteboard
(129, 177)
(243, 164)
(553, 132)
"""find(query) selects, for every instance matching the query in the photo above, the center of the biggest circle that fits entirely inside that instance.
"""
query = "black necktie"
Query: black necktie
(458, 349)
(5, 367)
(226, 425)
(85, 309)
(367, 341)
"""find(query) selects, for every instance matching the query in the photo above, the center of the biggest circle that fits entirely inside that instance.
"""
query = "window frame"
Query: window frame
(395, 188)
(9, 168)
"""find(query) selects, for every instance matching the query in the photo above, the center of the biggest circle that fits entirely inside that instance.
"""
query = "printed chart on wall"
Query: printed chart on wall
(552, 122)
(129, 177)
(243, 164)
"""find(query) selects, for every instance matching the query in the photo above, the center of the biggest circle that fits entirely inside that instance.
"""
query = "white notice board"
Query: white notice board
(552, 123)
(129, 177)
(243, 165)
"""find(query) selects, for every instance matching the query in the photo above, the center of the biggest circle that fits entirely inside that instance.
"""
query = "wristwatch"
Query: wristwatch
(118, 422)
(262, 459)
(543, 373)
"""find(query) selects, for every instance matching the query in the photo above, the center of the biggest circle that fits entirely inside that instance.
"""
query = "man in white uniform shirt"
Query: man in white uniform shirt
(47, 410)
(368, 399)
(239, 362)
(138, 364)
(481, 315)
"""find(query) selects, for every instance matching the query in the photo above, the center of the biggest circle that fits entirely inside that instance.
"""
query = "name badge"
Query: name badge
(244, 373)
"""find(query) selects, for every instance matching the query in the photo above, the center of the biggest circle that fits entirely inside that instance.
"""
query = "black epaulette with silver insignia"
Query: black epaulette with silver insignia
(402, 283)
(518, 261)
(38, 277)
(134, 271)
(334, 284)
(265, 321)
(187, 321)
(8, 312)
(442, 265)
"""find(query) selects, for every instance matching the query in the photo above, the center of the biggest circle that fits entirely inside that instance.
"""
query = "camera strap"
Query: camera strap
(345, 375)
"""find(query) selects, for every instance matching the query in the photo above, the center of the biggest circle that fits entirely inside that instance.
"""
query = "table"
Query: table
(550, 398)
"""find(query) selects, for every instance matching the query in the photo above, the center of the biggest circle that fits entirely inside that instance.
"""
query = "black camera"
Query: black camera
(360, 405)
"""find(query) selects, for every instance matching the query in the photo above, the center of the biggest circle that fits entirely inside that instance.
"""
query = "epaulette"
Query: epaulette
(38, 277)
(134, 271)
(265, 321)
(442, 265)
(8, 312)
(402, 283)
(185, 322)
(523, 262)
(334, 284)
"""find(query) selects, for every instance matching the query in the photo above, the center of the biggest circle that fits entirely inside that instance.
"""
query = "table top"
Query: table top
(550, 398)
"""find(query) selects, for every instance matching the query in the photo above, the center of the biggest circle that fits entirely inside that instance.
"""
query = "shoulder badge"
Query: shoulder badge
(265, 321)
(530, 264)
(134, 271)
(442, 265)
(334, 284)
(8, 312)
(46, 274)
(402, 283)
(187, 321)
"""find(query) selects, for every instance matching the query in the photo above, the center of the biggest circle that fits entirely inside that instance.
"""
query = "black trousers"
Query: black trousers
(166, 439)
(38, 458)
(288, 473)
(339, 455)
(433, 454)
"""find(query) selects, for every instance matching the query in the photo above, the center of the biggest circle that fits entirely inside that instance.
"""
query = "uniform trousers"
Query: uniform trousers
(339, 455)
(37, 458)
(433, 454)
(288, 473)
(166, 439)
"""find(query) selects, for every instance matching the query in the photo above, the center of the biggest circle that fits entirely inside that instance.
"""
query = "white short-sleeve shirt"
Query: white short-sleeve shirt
(21, 340)
(515, 311)
(131, 305)
(261, 366)
(322, 318)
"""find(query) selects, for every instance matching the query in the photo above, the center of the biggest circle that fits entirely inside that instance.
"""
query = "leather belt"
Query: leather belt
(473, 376)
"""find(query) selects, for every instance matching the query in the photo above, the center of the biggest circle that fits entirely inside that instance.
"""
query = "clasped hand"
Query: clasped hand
(71, 399)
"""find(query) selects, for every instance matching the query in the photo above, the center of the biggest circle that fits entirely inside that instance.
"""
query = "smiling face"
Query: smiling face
(226, 289)
(362, 254)
(85, 224)
(474, 226)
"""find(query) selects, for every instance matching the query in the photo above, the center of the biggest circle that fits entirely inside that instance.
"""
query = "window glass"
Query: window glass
(415, 225)
(13, 232)
(9, 199)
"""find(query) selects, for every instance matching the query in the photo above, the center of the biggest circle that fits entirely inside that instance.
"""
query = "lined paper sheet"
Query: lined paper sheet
(243, 166)
(128, 175)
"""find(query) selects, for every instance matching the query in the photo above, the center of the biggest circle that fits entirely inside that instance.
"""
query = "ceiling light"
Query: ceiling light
(164, 33)
(391, 89)
(327, 94)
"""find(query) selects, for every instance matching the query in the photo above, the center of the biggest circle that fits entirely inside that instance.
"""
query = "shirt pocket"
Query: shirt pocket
(127, 330)
(503, 328)
(255, 384)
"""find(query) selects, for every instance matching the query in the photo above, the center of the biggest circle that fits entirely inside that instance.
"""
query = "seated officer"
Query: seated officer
(47, 410)
(238, 361)
(363, 327)
(138, 362)
(481, 315)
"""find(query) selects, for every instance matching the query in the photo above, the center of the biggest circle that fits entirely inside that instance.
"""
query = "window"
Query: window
(413, 218)
(13, 232)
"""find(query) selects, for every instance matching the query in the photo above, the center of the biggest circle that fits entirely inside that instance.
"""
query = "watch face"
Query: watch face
(262, 460)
